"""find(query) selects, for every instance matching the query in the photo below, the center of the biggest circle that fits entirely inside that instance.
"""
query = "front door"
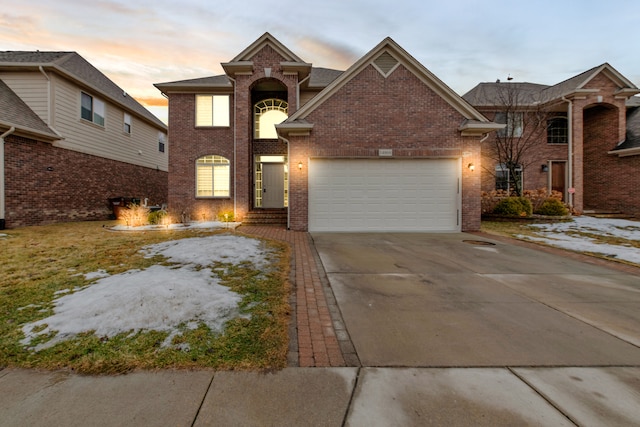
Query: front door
(558, 177)
(273, 185)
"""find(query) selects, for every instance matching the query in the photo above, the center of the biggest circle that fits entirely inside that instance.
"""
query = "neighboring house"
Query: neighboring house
(71, 140)
(382, 146)
(589, 149)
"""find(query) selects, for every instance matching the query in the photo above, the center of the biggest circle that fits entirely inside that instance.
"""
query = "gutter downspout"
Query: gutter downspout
(49, 108)
(570, 149)
(2, 197)
(298, 91)
(235, 154)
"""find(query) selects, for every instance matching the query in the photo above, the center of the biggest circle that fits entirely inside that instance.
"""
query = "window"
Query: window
(127, 123)
(92, 109)
(212, 176)
(161, 142)
(557, 130)
(514, 122)
(267, 114)
(503, 177)
(212, 110)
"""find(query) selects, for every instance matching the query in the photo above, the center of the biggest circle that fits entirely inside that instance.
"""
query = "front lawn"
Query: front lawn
(607, 238)
(48, 272)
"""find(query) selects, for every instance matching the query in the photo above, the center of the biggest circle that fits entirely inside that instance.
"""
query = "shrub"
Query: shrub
(156, 217)
(135, 215)
(552, 207)
(514, 206)
(226, 216)
(490, 199)
(537, 197)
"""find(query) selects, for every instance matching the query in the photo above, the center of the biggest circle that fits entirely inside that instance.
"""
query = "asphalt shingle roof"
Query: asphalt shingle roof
(78, 68)
(632, 139)
(494, 94)
(14, 112)
(319, 78)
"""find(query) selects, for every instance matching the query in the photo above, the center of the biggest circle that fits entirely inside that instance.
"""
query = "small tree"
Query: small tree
(520, 109)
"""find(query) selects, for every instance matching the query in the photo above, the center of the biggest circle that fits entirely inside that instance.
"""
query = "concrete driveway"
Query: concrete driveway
(458, 300)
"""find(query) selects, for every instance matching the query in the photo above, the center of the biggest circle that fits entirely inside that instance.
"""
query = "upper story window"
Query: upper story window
(127, 123)
(212, 110)
(92, 109)
(558, 130)
(267, 114)
(212, 176)
(514, 122)
(161, 142)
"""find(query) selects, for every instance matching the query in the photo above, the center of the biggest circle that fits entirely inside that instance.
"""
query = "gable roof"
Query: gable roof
(488, 94)
(243, 62)
(79, 70)
(475, 122)
(15, 113)
(266, 40)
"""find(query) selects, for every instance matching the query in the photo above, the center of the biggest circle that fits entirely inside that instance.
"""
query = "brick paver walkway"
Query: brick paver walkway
(318, 336)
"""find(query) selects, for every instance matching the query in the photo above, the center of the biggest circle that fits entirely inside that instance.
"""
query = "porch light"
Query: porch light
(300, 165)
(544, 168)
(471, 167)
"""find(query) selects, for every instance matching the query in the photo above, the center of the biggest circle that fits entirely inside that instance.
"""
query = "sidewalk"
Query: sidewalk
(366, 397)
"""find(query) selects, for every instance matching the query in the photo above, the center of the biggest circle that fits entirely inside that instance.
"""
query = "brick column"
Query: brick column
(577, 123)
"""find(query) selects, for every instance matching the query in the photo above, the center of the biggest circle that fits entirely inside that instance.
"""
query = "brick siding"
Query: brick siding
(45, 184)
(398, 112)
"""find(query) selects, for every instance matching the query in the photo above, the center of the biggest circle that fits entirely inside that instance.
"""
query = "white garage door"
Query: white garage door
(383, 195)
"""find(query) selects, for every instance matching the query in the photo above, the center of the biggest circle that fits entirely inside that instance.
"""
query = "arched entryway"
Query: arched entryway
(270, 178)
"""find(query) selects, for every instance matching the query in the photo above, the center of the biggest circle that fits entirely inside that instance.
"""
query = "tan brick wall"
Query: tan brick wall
(45, 184)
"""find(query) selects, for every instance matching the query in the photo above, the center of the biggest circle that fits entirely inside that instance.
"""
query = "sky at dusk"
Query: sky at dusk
(141, 42)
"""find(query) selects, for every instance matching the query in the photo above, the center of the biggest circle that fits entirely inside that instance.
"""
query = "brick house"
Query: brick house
(592, 118)
(71, 139)
(382, 146)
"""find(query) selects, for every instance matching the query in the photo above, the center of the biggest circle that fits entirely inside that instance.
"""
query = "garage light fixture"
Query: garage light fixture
(471, 167)
(300, 165)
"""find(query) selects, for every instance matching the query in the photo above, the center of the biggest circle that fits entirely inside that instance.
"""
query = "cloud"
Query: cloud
(336, 55)
(153, 101)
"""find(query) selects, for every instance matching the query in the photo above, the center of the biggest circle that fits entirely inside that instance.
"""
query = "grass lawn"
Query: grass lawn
(37, 262)
(519, 230)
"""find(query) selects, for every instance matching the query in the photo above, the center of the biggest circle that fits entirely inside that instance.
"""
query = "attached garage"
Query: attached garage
(384, 195)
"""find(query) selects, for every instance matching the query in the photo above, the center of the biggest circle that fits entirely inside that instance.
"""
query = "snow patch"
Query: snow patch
(96, 275)
(203, 251)
(202, 225)
(169, 299)
(559, 235)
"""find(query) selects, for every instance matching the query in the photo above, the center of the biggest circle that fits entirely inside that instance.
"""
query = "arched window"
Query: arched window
(267, 114)
(212, 176)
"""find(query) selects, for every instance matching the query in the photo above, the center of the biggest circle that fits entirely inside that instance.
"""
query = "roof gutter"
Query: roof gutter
(2, 196)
